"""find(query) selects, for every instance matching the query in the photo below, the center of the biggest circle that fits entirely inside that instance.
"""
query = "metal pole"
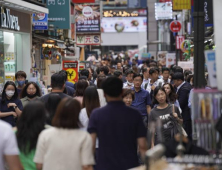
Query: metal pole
(147, 30)
(199, 59)
(177, 51)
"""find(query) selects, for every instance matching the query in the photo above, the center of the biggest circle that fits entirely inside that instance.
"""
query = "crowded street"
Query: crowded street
(110, 85)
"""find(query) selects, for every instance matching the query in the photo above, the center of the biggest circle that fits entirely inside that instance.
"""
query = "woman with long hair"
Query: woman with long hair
(30, 92)
(167, 113)
(81, 86)
(90, 102)
(10, 106)
(65, 146)
(29, 126)
(100, 79)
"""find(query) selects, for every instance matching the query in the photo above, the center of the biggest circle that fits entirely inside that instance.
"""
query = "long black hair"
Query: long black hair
(29, 125)
(24, 90)
(51, 106)
(15, 96)
(156, 90)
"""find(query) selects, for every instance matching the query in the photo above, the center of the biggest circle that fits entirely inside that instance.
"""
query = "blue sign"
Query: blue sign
(40, 21)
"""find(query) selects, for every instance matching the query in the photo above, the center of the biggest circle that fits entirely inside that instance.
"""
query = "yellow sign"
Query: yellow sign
(71, 75)
(181, 4)
(119, 14)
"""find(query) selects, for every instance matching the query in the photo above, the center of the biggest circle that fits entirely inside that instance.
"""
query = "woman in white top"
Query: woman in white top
(64, 146)
(90, 102)
(100, 80)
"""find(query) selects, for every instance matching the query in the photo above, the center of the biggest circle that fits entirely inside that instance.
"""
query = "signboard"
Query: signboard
(186, 65)
(71, 67)
(161, 57)
(83, 1)
(40, 21)
(87, 18)
(125, 13)
(128, 24)
(179, 40)
(208, 13)
(146, 55)
(59, 13)
(175, 26)
(170, 59)
(181, 4)
(163, 11)
(72, 53)
(91, 56)
(88, 40)
(165, 0)
(211, 67)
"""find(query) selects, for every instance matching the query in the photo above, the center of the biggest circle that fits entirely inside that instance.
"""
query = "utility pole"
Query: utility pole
(199, 58)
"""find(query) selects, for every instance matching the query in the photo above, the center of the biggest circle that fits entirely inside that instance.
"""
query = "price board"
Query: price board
(71, 67)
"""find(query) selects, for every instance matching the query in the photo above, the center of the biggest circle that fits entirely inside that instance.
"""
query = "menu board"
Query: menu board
(87, 18)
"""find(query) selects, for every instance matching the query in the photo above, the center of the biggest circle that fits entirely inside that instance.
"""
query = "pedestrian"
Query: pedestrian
(168, 114)
(128, 97)
(20, 77)
(51, 106)
(10, 106)
(65, 146)
(146, 76)
(86, 72)
(129, 77)
(81, 86)
(118, 74)
(69, 90)
(183, 91)
(119, 129)
(171, 95)
(9, 153)
(29, 126)
(58, 86)
(142, 100)
(30, 92)
(166, 75)
(100, 80)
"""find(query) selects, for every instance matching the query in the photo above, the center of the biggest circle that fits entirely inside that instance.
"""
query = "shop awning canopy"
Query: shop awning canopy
(24, 6)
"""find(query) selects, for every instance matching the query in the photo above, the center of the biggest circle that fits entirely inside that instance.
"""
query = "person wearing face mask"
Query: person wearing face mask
(20, 77)
(10, 106)
(30, 92)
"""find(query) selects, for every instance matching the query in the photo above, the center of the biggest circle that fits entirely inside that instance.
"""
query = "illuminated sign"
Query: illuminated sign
(125, 13)
(71, 67)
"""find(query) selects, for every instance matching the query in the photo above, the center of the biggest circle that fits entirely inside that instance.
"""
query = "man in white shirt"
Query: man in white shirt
(129, 77)
(153, 81)
(166, 75)
(8, 148)
(146, 75)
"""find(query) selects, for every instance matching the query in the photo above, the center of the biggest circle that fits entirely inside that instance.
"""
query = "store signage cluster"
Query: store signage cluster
(163, 11)
(88, 39)
(175, 26)
(125, 13)
(9, 21)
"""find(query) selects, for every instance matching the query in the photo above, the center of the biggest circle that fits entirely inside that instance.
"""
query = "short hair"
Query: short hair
(85, 72)
(100, 80)
(57, 80)
(153, 64)
(67, 114)
(105, 69)
(153, 70)
(156, 90)
(178, 76)
(117, 73)
(112, 86)
(177, 69)
(24, 90)
(144, 69)
(64, 74)
(126, 92)
(20, 73)
(138, 75)
(129, 71)
(165, 69)
(81, 86)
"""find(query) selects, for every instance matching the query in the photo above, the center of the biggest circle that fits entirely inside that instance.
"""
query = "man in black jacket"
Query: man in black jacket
(183, 90)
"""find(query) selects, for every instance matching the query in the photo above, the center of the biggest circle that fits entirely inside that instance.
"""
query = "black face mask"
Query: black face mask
(31, 96)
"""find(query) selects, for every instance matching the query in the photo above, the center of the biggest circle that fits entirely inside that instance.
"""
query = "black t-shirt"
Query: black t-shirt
(45, 98)
(167, 119)
(118, 127)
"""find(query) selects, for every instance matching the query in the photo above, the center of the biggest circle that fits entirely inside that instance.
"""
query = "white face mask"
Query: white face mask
(10, 93)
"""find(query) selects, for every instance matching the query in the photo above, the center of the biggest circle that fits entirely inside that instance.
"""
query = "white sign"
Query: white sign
(124, 24)
(88, 40)
(170, 59)
(87, 11)
(211, 67)
(186, 65)
(163, 11)
(72, 53)
(9, 21)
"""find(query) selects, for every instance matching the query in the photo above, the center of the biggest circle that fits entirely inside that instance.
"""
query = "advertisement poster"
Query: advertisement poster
(186, 65)
(59, 13)
(161, 57)
(40, 21)
(71, 67)
(120, 24)
(211, 67)
(91, 56)
(163, 11)
(87, 18)
(170, 59)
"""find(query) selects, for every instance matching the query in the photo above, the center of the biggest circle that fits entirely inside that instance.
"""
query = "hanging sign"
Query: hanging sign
(181, 4)
(88, 40)
(175, 26)
(163, 11)
(179, 40)
(40, 21)
(71, 67)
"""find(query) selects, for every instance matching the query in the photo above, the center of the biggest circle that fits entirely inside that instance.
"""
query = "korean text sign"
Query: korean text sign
(59, 13)
(40, 21)
(87, 18)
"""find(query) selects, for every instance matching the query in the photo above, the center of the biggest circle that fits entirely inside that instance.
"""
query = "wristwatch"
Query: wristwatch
(15, 107)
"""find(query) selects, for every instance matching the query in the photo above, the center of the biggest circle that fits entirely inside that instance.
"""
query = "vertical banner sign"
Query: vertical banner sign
(71, 67)
(87, 18)
(179, 40)
(59, 14)
(211, 67)
(208, 13)
(40, 21)
(170, 59)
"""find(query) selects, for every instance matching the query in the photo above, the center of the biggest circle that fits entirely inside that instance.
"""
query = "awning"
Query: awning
(23, 6)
